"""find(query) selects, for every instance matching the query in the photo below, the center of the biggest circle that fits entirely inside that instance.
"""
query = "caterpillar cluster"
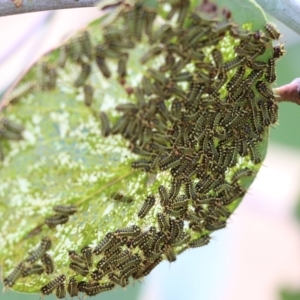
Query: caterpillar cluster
(9, 130)
(124, 253)
(120, 255)
(29, 266)
(197, 119)
(195, 116)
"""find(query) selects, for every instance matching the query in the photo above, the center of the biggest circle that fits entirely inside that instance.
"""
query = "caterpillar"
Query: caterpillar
(96, 288)
(65, 209)
(101, 63)
(253, 77)
(111, 253)
(163, 195)
(163, 222)
(175, 189)
(105, 124)
(72, 287)
(83, 75)
(169, 63)
(181, 239)
(12, 126)
(83, 270)
(278, 51)
(128, 231)
(61, 291)
(44, 246)
(48, 263)
(160, 32)
(149, 20)
(151, 54)
(271, 76)
(245, 172)
(170, 254)
(118, 280)
(272, 31)
(88, 92)
(86, 44)
(148, 204)
(217, 57)
(235, 62)
(121, 69)
(34, 269)
(204, 240)
(55, 220)
(176, 229)
(190, 191)
(87, 254)
(134, 260)
(180, 201)
(107, 241)
(157, 75)
(52, 285)
(150, 265)
(142, 164)
(11, 279)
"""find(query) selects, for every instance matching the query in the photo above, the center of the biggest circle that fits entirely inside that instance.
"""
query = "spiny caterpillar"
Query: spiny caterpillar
(196, 117)
(52, 285)
(9, 131)
(61, 216)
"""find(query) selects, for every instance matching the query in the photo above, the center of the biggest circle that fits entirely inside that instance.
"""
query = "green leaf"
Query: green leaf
(65, 159)
(289, 295)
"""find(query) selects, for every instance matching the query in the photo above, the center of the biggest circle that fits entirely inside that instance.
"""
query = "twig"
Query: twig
(12, 7)
(286, 11)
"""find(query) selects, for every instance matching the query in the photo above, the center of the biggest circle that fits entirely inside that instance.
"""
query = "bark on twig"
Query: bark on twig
(9, 7)
(286, 11)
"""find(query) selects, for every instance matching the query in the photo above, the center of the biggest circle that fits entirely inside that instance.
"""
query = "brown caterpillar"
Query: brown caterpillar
(83, 270)
(48, 263)
(72, 287)
(88, 92)
(44, 246)
(65, 209)
(61, 291)
(52, 285)
(204, 240)
(108, 240)
(11, 279)
(55, 220)
(105, 124)
(272, 31)
(96, 288)
(148, 204)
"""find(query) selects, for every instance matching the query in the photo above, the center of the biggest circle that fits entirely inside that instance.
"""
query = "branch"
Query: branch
(12, 7)
(286, 11)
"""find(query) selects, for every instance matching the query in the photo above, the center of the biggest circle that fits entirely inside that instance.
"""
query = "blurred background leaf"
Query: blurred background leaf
(289, 295)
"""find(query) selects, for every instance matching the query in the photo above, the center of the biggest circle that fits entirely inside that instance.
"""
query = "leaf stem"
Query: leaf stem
(289, 92)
